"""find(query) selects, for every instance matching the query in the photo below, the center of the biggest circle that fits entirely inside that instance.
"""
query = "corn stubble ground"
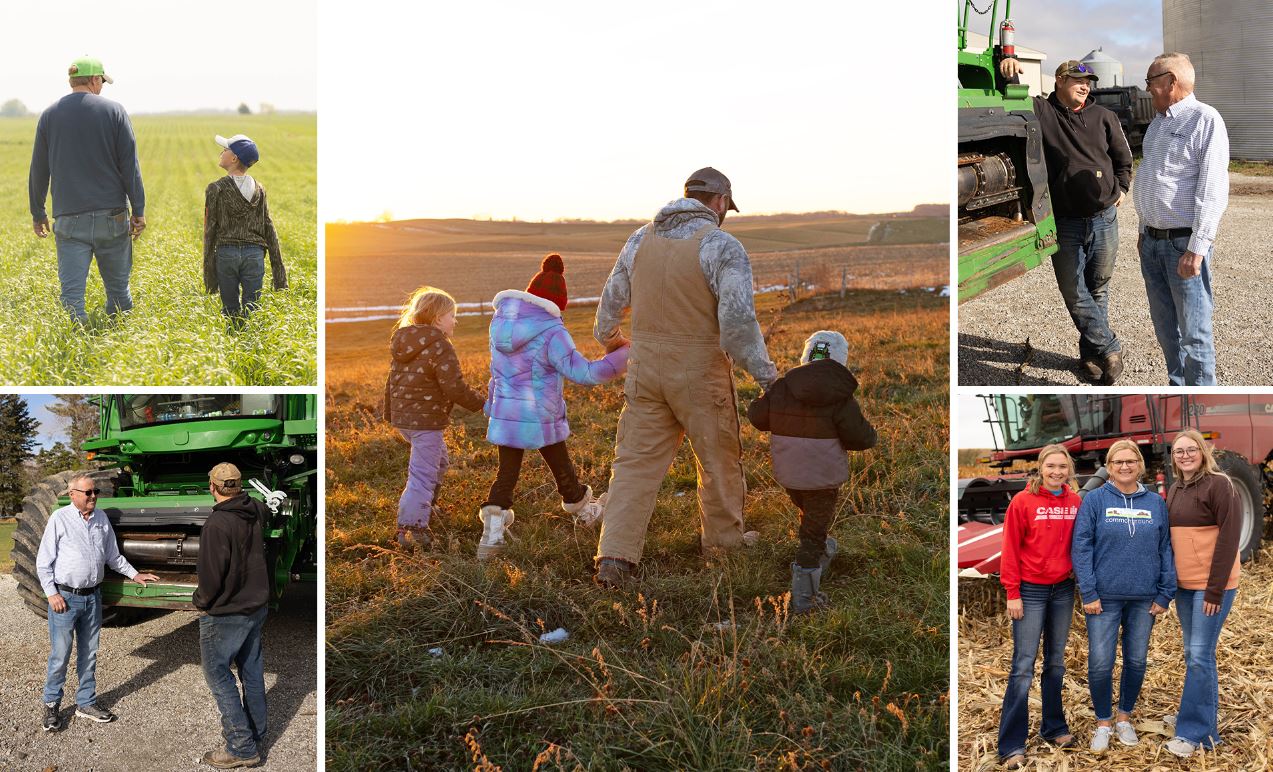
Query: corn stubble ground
(175, 333)
(434, 662)
(1245, 666)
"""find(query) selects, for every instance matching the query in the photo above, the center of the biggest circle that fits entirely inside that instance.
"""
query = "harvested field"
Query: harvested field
(1246, 701)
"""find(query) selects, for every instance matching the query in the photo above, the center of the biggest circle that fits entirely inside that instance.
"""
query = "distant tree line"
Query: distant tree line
(13, 109)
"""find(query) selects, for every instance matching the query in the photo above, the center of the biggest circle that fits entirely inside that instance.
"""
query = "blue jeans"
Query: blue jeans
(424, 476)
(240, 266)
(1084, 264)
(1181, 310)
(81, 236)
(82, 621)
(236, 638)
(1102, 638)
(1048, 610)
(1200, 698)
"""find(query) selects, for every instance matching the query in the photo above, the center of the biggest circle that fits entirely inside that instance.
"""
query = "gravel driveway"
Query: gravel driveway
(148, 674)
(994, 327)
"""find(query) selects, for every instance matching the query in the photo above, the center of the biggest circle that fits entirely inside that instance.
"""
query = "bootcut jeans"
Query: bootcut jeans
(1200, 698)
(1084, 265)
(236, 639)
(1048, 609)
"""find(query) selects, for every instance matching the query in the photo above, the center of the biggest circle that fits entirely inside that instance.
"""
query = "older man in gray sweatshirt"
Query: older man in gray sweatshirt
(84, 145)
(689, 287)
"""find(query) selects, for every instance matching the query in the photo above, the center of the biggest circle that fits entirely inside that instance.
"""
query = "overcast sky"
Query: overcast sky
(165, 54)
(601, 110)
(1128, 30)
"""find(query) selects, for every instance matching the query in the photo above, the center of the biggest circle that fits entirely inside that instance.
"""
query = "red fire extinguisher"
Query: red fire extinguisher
(1008, 39)
(1160, 480)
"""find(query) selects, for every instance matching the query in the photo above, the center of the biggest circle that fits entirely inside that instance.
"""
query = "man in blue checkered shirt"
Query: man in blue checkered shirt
(1182, 189)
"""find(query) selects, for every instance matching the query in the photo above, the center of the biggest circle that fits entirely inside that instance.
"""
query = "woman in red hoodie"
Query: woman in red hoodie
(1036, 573)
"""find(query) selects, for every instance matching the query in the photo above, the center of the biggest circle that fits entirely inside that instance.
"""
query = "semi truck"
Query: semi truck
(1240, 426)
(1134, 107)
(151, 461)
(1006, 225)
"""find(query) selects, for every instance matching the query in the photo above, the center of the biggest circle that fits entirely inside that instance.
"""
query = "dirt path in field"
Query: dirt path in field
(148, 674)
(1019, 334)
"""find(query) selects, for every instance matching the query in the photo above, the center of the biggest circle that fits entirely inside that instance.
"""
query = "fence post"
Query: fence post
(844, 280)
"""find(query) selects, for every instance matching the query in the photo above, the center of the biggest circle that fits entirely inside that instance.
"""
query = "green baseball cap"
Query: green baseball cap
(87, 67)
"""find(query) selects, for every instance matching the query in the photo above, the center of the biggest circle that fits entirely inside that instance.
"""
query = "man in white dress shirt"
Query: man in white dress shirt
(1181, 190)
(77, 545)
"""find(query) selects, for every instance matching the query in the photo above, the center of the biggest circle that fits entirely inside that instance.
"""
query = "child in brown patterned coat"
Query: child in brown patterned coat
(424, 383)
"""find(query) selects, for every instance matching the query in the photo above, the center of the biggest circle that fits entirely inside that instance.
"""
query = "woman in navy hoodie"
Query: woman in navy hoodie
(1127, 576)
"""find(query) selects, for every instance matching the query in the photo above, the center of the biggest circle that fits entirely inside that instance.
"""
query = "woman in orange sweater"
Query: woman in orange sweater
(1035, 571)
(1206, 526)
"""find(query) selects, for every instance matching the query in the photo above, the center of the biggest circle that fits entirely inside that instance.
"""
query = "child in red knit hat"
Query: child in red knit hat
(531, 355)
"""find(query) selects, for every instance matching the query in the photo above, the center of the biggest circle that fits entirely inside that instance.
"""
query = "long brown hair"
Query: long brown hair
(1036, 481)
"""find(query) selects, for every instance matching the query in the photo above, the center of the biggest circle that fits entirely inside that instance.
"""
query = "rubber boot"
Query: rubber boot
(495, 523)
(587, 511)
(806, 596)
(832, 547)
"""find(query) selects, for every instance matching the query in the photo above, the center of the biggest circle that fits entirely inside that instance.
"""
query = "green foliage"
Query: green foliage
(701, 666)
(175, 333)
(17, 440)
(58, 458)
(13, 108)
(81, 416)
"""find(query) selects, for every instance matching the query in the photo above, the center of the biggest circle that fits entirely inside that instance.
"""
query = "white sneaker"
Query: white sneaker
(1169, 719)
(1126, 734)
(1181, 747)
(587, 511)
(1100, 740)
(495, 523)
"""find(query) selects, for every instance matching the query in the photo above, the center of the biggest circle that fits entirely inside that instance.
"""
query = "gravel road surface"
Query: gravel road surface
(148, 674)
(994, 327)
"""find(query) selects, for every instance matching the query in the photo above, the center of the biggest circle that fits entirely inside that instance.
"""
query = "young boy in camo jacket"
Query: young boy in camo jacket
(813, 419)
(238, 231)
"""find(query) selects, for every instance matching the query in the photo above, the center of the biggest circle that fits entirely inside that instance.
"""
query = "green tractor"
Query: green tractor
(158, 450)
(1006, 226)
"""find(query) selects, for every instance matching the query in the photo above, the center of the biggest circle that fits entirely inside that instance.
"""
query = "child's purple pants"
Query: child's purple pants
(424, 476)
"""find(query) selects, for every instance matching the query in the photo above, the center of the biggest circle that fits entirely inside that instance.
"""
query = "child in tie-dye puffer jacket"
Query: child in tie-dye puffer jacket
(531, 356)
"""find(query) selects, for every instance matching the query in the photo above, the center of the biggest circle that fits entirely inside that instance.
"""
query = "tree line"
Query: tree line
(21, 466)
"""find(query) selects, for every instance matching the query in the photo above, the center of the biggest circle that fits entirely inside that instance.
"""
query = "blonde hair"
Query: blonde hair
(1036, 481)
(425, 306)
(1126, 445)
(1209, 465)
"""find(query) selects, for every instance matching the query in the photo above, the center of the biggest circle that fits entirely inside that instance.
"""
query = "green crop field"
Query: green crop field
(6, 545)
(175, 333)
(434, 660)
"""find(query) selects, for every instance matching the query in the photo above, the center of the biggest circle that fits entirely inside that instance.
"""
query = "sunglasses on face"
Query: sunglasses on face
(89, 492)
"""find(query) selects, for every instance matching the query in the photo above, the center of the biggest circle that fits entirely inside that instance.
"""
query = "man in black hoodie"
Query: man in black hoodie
(233, 593)
(1089, 173)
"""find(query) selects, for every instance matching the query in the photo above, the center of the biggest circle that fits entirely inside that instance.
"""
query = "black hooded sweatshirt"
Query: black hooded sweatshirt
(233, 578)
(1089, 160)
(814, 419)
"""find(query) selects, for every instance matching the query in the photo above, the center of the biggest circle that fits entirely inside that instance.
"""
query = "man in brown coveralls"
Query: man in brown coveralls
(689, 287)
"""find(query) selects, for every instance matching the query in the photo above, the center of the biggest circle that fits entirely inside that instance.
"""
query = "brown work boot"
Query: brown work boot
(614, 573)
(1113, 367)
(220, 759)
(1092, 370)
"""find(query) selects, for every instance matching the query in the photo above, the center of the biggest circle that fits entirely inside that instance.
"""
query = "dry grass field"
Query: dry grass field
(434, 662)
(378, 264)
(1246, 699)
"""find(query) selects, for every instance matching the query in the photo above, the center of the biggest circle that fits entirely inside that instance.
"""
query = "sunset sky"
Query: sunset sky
(600, 111)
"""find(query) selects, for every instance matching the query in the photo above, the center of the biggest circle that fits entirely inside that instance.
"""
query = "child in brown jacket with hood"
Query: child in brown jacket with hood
(813, 419)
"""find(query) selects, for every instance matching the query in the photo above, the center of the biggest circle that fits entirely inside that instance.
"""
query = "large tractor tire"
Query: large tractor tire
(1251, 497)
(36, 509)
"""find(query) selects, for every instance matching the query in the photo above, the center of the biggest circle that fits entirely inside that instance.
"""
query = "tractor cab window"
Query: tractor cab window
(1109, 100)
(1035, 420)
(148, 409)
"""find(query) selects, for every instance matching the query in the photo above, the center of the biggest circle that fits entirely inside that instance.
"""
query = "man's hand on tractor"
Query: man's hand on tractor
(1010, 68)
(57, 603)
(144, 578)
(136, 225)
(42, 228)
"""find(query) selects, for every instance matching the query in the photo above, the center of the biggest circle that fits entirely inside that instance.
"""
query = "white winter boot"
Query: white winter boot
(587, 511)
(495, 523)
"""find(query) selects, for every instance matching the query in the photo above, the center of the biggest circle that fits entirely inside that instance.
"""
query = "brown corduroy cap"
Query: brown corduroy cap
(226, 475)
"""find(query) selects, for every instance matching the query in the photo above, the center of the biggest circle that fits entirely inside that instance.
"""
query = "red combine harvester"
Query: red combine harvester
(1239, 425)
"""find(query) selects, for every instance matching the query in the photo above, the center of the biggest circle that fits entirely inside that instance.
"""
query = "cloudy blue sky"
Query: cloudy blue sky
(1128, 30)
